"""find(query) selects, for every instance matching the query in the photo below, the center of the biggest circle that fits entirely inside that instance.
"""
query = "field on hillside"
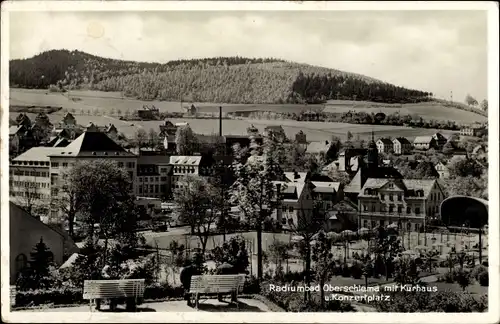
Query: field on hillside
(107, 102)
(83, 101)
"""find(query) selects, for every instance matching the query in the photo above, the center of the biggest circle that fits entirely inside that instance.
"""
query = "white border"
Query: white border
(492, 316)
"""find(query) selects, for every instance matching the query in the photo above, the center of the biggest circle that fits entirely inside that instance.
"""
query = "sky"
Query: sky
(435, 51)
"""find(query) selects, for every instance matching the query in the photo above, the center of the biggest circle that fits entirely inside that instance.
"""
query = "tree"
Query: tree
(186, 141)
(324, 263)
(278, 251)
(37, 275)
(68, 200)
(154, 138)
(233, 252)
(448, 148)
(104, 196)
(470, 100)
(253, 190)
(199, 203)
(425, 170)
(387, 248)
(484, 105)
(140, 138)
(466, 186)
(466, 167)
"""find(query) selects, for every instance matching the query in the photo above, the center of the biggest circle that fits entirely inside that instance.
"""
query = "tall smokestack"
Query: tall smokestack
(220, 121)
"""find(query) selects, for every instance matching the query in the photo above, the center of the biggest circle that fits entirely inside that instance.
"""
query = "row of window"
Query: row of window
(152, 179)
(55, 165)
(391, 209)
(34, 195)
(41, 163)
(28, 184)
(29, 173)
(290, 221)
(184, 169)
(152, 189)
(130, 165)
(382, 223)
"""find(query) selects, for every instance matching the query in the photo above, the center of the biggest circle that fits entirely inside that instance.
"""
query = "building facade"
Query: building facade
(401, 146)
(409, 203)
(384, 145)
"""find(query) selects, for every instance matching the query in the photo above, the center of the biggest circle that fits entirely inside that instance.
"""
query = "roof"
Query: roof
(14, 129)
(291, 176)
(317, 147)
(185, 160)
(326, 187)
(153, 159)
(291, 192)
(364, 173)
(405, 184)
(39, 153)
(385, 141)
(402, 140)
(423, 139)
(61, 142)
(93, 144)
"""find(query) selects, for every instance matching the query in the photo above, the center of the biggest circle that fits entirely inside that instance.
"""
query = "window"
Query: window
(391, 209)
(382, 196)
(417, 227)
(146, 179)
(400, 209)
(120, 164)
(399, 197)
(390, 198)
(373, 208)
(290, 209)
(408, 226)
(65, 165)
(381, 222)
(140, 189)
(163, 178)
(365, 223)
(151, 188)
(55, 164)
(417, 210)
(374, 224)
(157, 179)
(290, 221)
(408, 210)
(157, 187)
(365, 208)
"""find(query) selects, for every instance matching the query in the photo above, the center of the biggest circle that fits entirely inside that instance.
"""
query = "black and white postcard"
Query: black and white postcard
(201, 161)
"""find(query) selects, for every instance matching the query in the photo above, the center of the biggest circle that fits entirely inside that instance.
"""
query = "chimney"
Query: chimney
(220, 121)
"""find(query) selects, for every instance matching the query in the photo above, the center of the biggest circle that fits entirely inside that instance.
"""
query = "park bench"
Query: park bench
(113, 289)
(215, 285)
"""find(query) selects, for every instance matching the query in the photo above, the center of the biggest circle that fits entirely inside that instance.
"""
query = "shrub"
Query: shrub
(484, 279)
(477, 270)
(251, 286)
(233, 252)
(58, 296)
(356, 271)
(345, 271)
(161, 291)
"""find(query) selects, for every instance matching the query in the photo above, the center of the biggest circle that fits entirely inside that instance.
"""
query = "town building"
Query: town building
(148, 113)
(409, 203)
(473, 130)
(442, 170)
(424, 143)
(343, 215)
(440, 140)
(370, 169)
(296, 204)
(25, 231)
(384, 145)
(401, 146)
(154, 175)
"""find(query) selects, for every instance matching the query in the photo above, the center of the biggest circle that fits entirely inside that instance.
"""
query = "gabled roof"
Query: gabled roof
(401, 140)
(416, 184)
(364, 173)
(93, 144)
(423, 139)
(411, 185)
(385, 141)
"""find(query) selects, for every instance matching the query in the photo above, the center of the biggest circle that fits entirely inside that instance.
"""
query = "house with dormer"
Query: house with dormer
(409, 203)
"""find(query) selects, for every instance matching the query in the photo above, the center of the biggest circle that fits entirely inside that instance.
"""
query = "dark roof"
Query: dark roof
(385, 141)
(364, 173)
(402, 140)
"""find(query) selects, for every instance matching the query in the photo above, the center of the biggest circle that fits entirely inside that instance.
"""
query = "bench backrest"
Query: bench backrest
(93, 289)
(216, 283)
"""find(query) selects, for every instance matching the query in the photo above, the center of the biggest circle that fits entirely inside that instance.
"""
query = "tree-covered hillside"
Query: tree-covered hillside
(221, 79)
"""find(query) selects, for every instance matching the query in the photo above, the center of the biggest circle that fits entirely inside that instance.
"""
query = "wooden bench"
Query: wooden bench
(215, 285)
(95, 290)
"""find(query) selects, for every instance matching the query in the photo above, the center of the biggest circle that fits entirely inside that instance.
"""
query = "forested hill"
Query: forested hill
(221, 79)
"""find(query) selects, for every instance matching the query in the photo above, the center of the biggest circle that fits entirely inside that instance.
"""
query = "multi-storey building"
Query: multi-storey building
(384, 145)
(474, 130)
(401, 146)
(409, 203)
(442, 170)
(42, 167)
(154, 174)
(296, 203)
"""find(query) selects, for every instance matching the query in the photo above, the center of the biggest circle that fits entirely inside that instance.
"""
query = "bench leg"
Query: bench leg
(196, 301)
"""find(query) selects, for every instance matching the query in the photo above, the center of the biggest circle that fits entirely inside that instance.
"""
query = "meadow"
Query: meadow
(100, 107)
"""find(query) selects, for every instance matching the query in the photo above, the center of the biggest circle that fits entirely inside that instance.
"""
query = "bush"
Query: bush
(161, 291)
(484, 279)
(251, 286)
(345, 271)
(478, 270)
(356, 271)
(58, 296)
